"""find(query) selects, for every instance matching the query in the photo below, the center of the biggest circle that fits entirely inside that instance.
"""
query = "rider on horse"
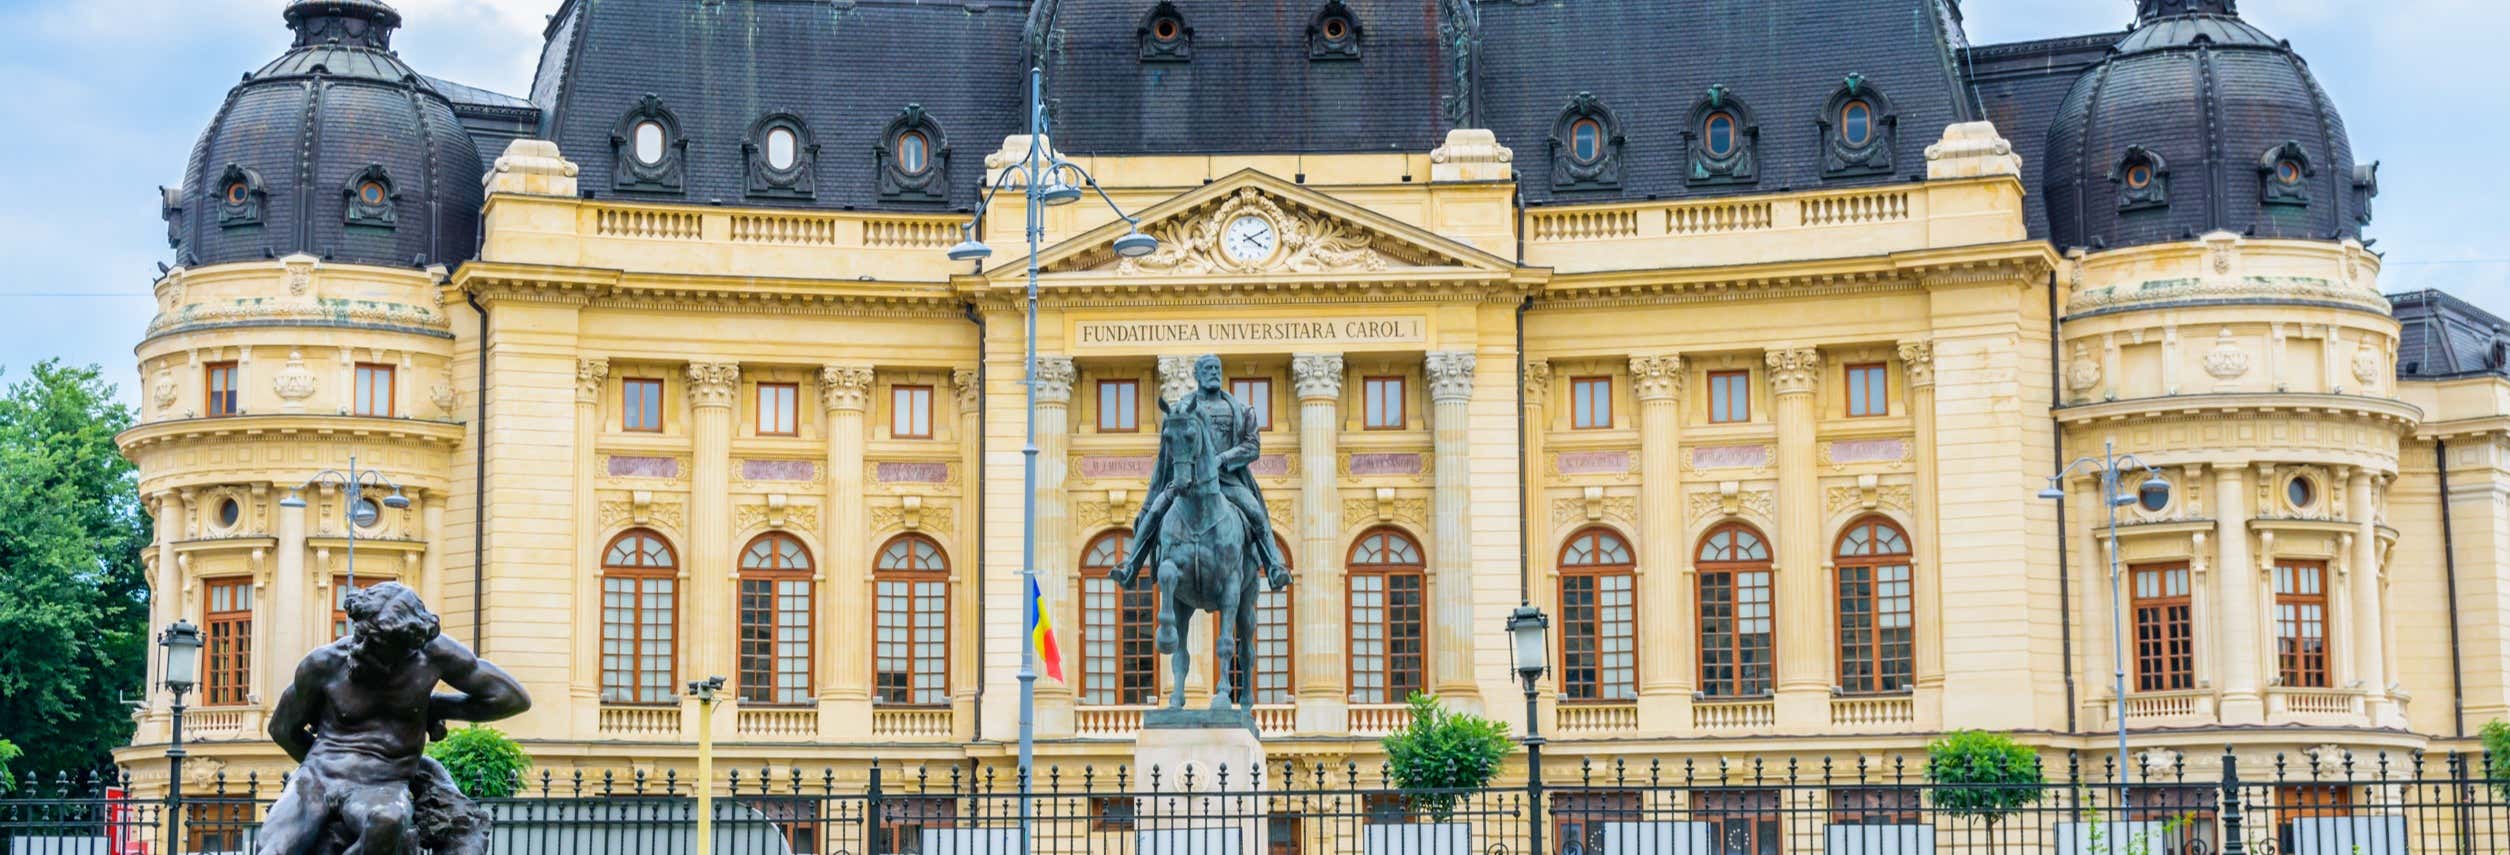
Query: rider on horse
(1232, 428)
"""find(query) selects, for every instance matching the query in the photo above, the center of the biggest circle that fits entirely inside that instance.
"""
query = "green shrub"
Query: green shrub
(1984, 775)
(485, 763)
(2496, 735)
(8, 751)
(1444, 753)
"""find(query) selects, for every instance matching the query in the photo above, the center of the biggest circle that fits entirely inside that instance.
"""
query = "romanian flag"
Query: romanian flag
(1041, 633)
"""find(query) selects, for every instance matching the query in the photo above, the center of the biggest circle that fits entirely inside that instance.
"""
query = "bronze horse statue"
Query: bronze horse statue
(1204, 563)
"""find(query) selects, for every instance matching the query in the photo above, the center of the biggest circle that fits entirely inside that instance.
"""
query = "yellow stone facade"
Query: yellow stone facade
(2233, 365)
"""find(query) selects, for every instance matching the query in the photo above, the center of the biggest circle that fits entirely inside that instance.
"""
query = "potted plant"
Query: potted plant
(1985, 776)
(1437, 760)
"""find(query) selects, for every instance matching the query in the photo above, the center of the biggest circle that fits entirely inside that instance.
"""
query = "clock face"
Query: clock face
(1249, 239)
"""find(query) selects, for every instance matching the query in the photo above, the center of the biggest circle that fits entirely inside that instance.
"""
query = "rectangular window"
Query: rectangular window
(340, 601)
(374, 390)
(1729, 396)
(775, 636)
(903, 821)
(1381, 403)
(640, 405)
(1119, 406)
(1119, 634)
(1734, 627)
(1256, 394)
(1742, 822)
(2165, 636)
(1281, 833)
(1386, 636)
(911, 412)
(1869, 390)
(227, 678)
(1578, 818)
(1598, 636)
(222, 386)
(911, 647)
(638, 625)
(1874, 806)
(2301, 623)
(1590, 403)
(776, 409)
(2315, 813)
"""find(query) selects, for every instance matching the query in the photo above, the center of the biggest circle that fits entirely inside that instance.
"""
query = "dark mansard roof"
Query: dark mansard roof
(2442, 337)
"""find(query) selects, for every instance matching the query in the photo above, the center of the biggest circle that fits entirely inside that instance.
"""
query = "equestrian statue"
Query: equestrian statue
(1205, 529)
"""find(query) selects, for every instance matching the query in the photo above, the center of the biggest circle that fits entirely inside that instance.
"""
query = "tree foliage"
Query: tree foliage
(73, 594)
(484, 762)
(2496, 735)
(8, 751)
(1982, 774)
(1442, 753)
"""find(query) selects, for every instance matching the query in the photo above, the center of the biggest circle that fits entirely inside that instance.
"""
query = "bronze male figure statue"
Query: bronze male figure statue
(1239, 442)
(357, 719)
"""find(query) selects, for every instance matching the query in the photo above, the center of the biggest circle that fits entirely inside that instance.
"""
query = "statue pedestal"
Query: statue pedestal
(1202, 769)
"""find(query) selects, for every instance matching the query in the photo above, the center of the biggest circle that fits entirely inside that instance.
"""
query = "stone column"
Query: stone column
(2369, 655)
(292, 589)
(1056, 377)
(1452, 624)
(584, 674)
(706, 610)
(1917, 361)
(845, 693)
(1318, 593)
(1542, 555)
(168, 599)
(2240, 642)
(1804, 674)
(1665, 637)
(967, 614)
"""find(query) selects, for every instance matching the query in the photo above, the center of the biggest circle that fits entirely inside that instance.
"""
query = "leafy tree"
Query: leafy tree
(2496, 736)
(484, 762)
(1443, 753)
(1985, 775)
(8, 752)
(73, 594)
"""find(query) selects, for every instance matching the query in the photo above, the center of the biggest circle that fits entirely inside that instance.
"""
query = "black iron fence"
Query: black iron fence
(2323, 803)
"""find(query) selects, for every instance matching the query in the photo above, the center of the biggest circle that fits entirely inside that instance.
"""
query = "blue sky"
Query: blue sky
(105, 99)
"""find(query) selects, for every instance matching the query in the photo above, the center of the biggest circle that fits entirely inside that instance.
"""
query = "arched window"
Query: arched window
(1876, 618)
(1272, 644)
(1722, 140)
(914, 158)
(1119, 630)
(640, 578)
(1585, 145)
(648, 150)
(1586, 140)
(1736, 618)
(783, 157)
(1388, 598)
(1720, 134)
(1598, 618)
(1858, 130)
(911, 639)
(775, 621)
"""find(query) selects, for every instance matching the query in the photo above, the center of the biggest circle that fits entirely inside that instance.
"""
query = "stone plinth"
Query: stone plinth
(1204, 767)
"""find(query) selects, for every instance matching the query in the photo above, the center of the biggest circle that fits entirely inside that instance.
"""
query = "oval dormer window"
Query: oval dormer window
(2288, 171)
(238, 192)
(370, 192)
(783, 149)
(1586, 141)
(1166, 30)
(1336, 28)
(914, 153)
(648, 143)
(1720, 134)
(2140, 175)
(1856, 123)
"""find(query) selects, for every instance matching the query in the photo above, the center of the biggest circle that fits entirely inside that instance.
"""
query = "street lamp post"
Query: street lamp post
(1527, 630)
(1043, 184)
(354, 509)
(2111, 467)
(182, 642)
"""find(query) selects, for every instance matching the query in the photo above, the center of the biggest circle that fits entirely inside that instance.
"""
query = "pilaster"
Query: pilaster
(1917, 361)
(845, 698)
(1803, 649)
(713, 386)
(584, 674)
(966, 680)
(168, 601)
(1318, 595)
(2240, 641)
(291, 588)
(1053, 384)
(1451, 635)
(1666, 641)
(2368, 610)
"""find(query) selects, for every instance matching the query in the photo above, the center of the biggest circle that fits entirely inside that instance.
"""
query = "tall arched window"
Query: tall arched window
(1598, 620)
(775, 621)
(911, 639)
(1272, 644)
(1876, 618)
(1388, 597)
(639, 619)
(1735, 612)
(1119, 630)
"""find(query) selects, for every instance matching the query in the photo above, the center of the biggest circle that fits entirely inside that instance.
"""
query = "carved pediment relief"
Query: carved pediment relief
(1253, 223)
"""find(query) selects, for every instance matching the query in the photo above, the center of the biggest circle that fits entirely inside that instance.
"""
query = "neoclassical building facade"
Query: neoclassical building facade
(1745, 367)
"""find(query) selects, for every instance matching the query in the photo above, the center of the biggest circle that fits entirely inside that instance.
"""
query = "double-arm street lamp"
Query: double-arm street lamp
(1528, 629)
(355, 510)
(1046, 180)
(181, 642)
(2112, 469)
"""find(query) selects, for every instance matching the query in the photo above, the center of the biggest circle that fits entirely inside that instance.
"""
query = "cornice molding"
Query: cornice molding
(2398, 414)
(366, 428)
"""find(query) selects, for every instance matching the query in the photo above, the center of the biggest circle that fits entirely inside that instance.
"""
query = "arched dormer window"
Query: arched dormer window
(2143, 180)
(648, 151)
(1723, 141)
(913, 158)
(1858, 130)
(1334, 34)
(2285, 172)
(782, 156)
(1585, 146)
(242, 200)
(1164, 35)
(369, 198)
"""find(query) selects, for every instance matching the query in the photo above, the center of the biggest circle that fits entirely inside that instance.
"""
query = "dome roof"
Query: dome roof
(2198, 121)
(336, 148)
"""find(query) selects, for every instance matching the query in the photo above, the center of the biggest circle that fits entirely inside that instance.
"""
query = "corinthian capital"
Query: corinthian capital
(1317, 375)
(589, 375)
(1656, 377)
(1450, 374)
(1176, 378)
(845, 387)
(1537, 381)
(713, 384)
(1794, 371)
(967, 383)
(1918, 357)
(1054, 378)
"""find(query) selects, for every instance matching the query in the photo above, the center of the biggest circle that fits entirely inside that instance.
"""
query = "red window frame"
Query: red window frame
(1119, 662)
(1256, 394)
(910, 412)
(770, 575)
(1595, 562)
(1875, 610)
(1736, 596)
(1383, 402)
(1590, 403)
(1124, 413)
(639, 564)
(1869, 390)
(2164, 627)
(1729, 397)
(227, 623)
(911, 639)
(2301, 623)
(220, 380)
(640, 396)
(785, 419)
(374, 390)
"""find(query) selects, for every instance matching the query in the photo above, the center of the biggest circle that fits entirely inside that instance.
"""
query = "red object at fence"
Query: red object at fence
(119, 836)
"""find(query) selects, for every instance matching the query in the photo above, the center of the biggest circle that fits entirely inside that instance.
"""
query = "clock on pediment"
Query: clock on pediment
(1250, 239)
(1249, 231)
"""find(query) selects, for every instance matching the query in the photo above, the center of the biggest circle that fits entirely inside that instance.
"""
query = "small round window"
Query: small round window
(1720, 134)
(1586, 141)
(1856, 123)
(783, 148)
(2288, 171)
(1336, 29)
(914, 153)
(648, 142)
(238, 192)
(229, 513)
(370, 192)
(2300, 492)
(2140, 176)
(1166, 30)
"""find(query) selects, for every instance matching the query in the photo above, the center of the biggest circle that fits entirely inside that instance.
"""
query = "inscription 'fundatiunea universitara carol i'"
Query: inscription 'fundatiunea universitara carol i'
(1228, 333)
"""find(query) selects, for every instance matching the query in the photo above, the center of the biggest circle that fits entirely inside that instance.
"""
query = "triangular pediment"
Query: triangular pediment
(1312, 234)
